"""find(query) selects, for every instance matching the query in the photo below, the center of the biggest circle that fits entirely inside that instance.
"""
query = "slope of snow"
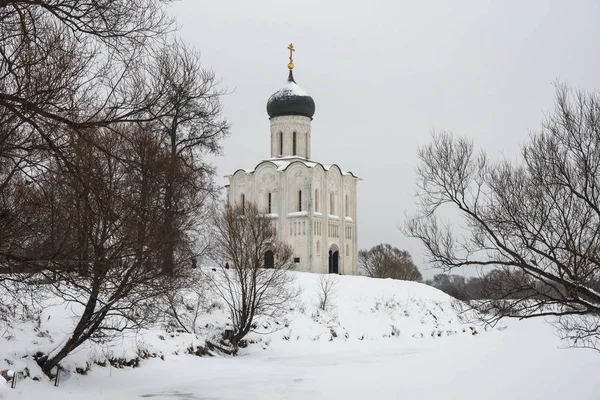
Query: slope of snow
(361, 309)
(370, 309)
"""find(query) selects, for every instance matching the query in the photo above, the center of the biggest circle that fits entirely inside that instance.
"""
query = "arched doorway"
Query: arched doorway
(269, 259)
(334, 256)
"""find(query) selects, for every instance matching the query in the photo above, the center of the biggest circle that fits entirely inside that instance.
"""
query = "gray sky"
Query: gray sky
(384, 74)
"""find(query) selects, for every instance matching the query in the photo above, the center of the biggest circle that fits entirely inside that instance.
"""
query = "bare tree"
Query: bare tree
(105, 120)
(385, 261)
(539, 216)
(19, 301)
(190, 123)
(103, 223)
(67, 67)
(245, 240)
(186, 303)
(326, 290)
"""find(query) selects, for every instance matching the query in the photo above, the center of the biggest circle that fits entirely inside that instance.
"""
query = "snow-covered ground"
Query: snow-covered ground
(428, 356)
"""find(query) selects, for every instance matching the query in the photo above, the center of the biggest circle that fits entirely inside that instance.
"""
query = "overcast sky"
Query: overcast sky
(384, 74)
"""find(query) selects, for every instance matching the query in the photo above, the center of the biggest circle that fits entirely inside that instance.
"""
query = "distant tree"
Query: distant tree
(244, 239)
(474, 288)
(385, 261)
(454, 285)
(496, 284)
(540, 216)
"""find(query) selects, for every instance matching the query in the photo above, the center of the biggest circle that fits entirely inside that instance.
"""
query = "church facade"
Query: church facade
(312, 204)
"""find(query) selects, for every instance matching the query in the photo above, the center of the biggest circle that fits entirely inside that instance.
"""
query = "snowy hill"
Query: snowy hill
(361, 309)
(372, 309)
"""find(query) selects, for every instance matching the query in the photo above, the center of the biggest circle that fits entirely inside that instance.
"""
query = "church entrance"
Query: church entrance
(269, 259)
(334, 260)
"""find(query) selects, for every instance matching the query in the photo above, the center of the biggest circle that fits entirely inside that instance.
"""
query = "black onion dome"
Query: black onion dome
(290, 100)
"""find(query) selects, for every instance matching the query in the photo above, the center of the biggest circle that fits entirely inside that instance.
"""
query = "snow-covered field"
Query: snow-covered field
(392, 340)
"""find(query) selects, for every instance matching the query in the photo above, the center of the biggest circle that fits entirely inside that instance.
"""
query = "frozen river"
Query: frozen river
(524, 361)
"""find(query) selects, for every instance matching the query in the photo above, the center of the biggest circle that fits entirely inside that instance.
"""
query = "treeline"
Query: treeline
(498, 284)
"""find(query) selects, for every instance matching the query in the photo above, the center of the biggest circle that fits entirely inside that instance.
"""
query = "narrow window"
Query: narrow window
(316, 200)
(347, 207)
(294, 144)
(296, 260)
(243, 202)
(306, 147)
(280, 143)
(318, 247)
(269, 206)
(331, 203)
(347, 250)
(269, 259)
(299, 200)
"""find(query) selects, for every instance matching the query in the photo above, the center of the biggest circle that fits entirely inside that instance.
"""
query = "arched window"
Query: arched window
(294, 143)
(243, 202)
(347, 207)
(331, 203)
(269, 209)
(316, 200)
(299, 200)
(280, 143)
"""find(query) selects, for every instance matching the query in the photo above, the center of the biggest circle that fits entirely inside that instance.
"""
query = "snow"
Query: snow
(298, 214)
(272, 215)
(289, 89)
(283, 162)
(384, 338)
(281, 165)
(333, 216)
(521, 362)
(348, 219)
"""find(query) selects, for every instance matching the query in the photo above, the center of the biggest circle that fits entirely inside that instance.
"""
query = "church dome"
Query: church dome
(291, 99)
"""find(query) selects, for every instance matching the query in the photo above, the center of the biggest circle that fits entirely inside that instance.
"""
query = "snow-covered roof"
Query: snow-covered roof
(290, 89)
(283, 163)
(291, 99)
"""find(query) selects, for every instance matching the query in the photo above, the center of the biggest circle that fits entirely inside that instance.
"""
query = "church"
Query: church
(312, 204)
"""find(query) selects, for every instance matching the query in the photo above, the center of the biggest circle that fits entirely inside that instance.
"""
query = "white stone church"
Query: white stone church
(313, 204)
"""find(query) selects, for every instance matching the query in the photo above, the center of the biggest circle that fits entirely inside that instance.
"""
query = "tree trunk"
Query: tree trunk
(169, 223)
(50, 363)
(84, 329)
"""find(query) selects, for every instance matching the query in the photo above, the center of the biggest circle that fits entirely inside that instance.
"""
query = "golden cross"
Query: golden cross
(291, 49)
